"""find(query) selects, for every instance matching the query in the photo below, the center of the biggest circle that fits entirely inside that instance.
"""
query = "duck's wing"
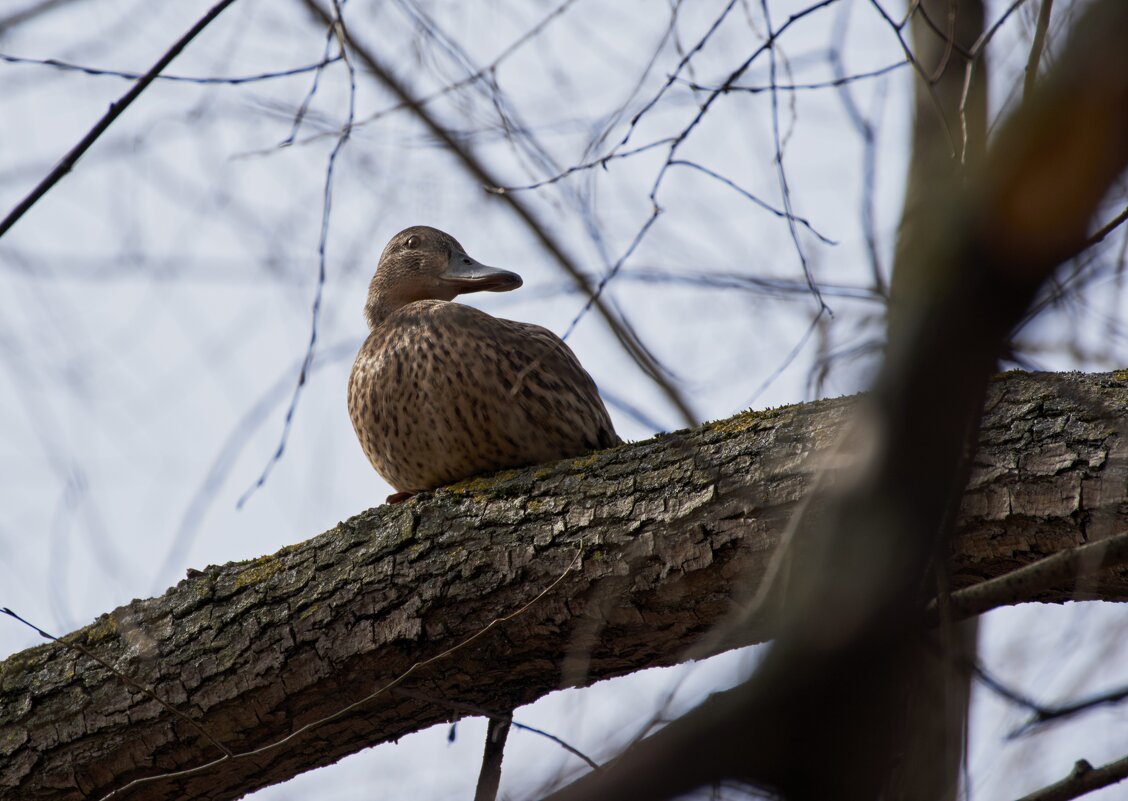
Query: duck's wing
(540, 370)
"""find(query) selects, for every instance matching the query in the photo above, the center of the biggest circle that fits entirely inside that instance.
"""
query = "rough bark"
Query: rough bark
(643, 547)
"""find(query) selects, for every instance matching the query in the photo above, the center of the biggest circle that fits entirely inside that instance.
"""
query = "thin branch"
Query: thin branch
(927, 81)
(489, 778)
(133, 76)
(477, 710)
(66, 164)
(792, 355)
(1047, 714)
(1042, 713)
(973, 52)
(1037, 46)
(1083, 779)
(339, 32)
(919, 9)
(675, 143)
(989, 34)
(474, 77)
(841, 80)
(562, 743)
(1105, 230)
(868, 132)
(602, 161)
(781, 172)
(307, 100)
(766, 206)
(1050, 573)
(674, 75)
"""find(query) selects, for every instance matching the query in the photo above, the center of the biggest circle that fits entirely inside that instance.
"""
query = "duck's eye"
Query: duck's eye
(412, 243)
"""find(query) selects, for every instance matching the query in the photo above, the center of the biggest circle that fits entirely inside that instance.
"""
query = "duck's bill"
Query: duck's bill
(472, 276)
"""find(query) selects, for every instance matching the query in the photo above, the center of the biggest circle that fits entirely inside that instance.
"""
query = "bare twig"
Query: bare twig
(340, 33)
(840, 80)
(671, 158)
(66, 164)
(781, 172)
(489, 778)
(989, 34)
(1049, 573)
(474, 77)
(766, 206)
(1107, 229)
(477, 710)
(1047, 714)
(675, 143)
(969, 53)
(868, 132)
(1083, 779)
(674, 75)
(926, 80)
(66, 66)
(1037, 46)
(791, 356)
(1043, 713)
(601, 161)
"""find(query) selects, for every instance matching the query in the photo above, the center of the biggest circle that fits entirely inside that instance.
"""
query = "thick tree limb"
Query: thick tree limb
(668, 530)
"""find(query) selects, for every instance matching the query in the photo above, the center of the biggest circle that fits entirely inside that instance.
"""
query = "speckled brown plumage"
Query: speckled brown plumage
(441, 391)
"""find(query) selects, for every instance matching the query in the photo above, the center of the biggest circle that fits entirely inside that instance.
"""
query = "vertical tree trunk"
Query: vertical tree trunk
(948, 143)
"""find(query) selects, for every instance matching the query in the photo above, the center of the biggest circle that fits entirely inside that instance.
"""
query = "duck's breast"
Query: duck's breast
(443, 391)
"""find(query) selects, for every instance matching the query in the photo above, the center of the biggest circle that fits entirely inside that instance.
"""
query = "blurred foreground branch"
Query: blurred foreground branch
(821, 717)
(581, 570)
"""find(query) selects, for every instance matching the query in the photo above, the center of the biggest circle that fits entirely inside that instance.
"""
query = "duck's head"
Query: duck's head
(422, 263)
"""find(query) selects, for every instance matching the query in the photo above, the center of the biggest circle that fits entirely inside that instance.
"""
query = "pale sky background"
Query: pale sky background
(155, 306)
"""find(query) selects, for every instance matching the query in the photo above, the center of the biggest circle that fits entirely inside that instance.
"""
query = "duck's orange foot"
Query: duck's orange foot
(399, 497)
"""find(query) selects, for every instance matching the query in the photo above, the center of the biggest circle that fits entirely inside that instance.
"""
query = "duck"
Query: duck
(441, 391)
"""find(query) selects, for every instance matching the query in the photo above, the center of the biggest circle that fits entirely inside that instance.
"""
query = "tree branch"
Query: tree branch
(671, 530)
(1036, 46)
(1026, 582)
(66, 164)
(1083, 779)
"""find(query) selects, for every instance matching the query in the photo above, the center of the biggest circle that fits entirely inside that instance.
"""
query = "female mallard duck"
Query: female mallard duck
(440, 391)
